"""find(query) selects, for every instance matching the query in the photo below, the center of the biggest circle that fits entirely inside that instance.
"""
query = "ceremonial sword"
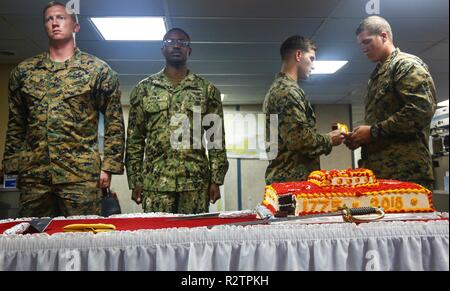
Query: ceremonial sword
(348, 214)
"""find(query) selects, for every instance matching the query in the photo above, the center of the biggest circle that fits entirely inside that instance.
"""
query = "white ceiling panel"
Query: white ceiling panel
(437, 52)
(236, 43)
(250, 30)
(91, 7)
(8, 31)
(241, 80)
(23, 49)
(122, 8)
(122, 49)
(423, 29)
(235, 51)
(33, 28)
(252, 8)
(327, 50)
(338, 30)
(23, 7)
(437, 66)
(394, 8)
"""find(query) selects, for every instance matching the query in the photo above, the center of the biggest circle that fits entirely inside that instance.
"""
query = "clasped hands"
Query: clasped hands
(359, 136)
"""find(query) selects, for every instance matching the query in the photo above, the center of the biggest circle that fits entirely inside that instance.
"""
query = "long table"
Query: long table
(161, 243)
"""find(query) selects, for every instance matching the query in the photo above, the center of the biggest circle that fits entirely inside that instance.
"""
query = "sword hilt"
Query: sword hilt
(263, 212)
(363, 210)
(349, 213)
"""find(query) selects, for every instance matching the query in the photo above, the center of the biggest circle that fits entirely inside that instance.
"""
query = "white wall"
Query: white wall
(252, 173)
(119, 183)
(340, 157)
(4, 79)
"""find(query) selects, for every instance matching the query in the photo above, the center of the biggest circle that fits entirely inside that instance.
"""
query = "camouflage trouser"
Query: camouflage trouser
(39, 198)
(186, 202)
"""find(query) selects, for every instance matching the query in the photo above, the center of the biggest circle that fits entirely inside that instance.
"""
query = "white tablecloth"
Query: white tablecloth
(342, 246)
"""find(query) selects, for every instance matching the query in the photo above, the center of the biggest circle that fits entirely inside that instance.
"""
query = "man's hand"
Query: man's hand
(348, 141)
(361, 135)
(336, 137)
(214, 193)
(136, 195)
(105, 179)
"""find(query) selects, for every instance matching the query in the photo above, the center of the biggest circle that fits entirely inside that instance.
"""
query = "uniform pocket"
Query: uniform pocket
(35, 86)
(80, 164)
(155, 106)
(33, 97)
(79, 103)
(156, 111)
(33, 91)
(194, 102)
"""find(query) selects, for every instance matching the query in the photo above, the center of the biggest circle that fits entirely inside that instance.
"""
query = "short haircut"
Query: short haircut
(179, 30)
(375, 25)
(296, 42)
(56, 3)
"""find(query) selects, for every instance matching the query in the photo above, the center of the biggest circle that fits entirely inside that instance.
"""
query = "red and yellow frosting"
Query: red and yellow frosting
(326, 191)
(343, 178)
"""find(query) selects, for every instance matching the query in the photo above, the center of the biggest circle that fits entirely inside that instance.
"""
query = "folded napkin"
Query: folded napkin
(17, 229)
(89, 227)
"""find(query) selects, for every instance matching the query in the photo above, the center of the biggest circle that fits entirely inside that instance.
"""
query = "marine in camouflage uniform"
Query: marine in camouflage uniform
(299, 143)
(400, 103)
(172, 178)
(167, 108)
(52, 134)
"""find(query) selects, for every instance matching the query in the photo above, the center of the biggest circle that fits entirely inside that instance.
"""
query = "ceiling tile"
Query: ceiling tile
(22, 48)
(7, 31)
(251, 8)
(33, 28)
(394, 9)
(236, 43)
(264, 30)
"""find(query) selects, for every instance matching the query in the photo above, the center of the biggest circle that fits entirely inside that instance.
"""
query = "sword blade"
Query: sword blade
(242, 223)
(306, 216)
(274, 220)
(198, 216)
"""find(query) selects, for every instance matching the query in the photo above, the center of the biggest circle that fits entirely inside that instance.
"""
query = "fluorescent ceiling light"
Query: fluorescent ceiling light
(130, 28)
(327, 67)
(443, 103)
(222, 96)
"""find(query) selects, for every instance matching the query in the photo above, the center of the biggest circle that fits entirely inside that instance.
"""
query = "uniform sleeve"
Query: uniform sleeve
(295, 131)
(217, 154)
(17, 125)
(135, 141)
(415, 87)
(110, 105)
